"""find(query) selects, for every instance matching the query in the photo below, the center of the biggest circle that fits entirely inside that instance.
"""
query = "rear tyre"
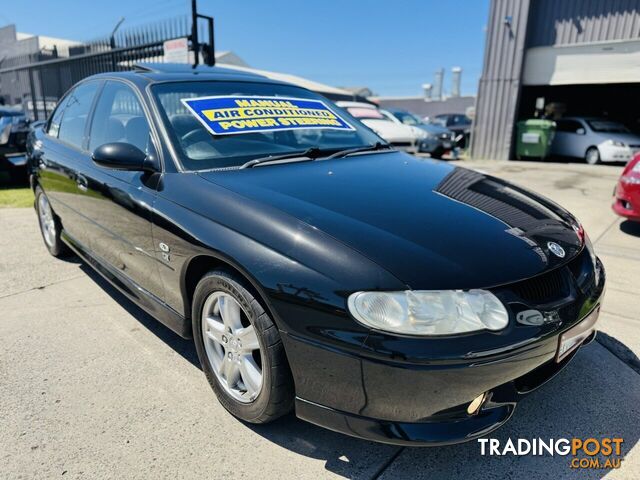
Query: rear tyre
(50, 226)
(592, 157)
(240, 349)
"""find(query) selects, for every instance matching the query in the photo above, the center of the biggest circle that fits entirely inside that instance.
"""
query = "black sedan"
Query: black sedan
(14, 128)
(388, 297)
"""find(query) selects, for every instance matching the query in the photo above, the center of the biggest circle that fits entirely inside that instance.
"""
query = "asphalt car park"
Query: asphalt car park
(129, 399)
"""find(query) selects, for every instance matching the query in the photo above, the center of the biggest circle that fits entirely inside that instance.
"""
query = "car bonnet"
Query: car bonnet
(431, 224)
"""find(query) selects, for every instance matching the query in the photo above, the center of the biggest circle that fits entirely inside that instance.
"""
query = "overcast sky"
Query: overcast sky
(393, 47)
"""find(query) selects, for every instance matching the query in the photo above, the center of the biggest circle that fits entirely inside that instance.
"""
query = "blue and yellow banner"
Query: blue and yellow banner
(228, 115)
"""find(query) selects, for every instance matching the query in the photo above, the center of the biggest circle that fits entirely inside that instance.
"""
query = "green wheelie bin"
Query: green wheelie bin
(534, 137)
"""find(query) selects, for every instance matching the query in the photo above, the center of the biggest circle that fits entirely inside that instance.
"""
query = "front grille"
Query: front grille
(545, 288)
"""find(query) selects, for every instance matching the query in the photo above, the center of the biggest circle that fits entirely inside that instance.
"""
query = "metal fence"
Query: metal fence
(38, 80)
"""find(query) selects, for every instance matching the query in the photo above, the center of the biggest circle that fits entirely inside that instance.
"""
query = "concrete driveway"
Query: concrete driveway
(92, 387)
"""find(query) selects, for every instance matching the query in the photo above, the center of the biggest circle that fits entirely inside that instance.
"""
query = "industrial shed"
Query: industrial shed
(574, 57)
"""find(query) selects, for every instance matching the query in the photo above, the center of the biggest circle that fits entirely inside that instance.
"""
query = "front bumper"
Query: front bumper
(416, 391)
(456, 427)
(616, 153)
(435, 145)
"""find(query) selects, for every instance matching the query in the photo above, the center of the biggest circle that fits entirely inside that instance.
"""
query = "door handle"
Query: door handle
(82, 183)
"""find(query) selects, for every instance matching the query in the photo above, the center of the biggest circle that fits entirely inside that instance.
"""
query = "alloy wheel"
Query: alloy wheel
(593, 156)
(232, 346)
(47, 222)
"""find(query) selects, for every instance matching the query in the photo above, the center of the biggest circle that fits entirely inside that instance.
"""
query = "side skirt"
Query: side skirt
(134, 292)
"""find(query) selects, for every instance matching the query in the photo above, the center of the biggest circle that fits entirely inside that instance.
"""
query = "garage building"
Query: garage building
(575, 57)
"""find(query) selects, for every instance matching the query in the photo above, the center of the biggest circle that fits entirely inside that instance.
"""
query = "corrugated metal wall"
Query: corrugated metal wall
(564, 22)
(499, 87)
(535, 23)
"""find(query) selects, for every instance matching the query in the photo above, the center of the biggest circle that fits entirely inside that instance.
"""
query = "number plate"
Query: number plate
(573, 338)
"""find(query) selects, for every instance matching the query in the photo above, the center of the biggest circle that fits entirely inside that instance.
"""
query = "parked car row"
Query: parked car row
(456, 122)
(404, 130)
(438, 140)
(401, 136)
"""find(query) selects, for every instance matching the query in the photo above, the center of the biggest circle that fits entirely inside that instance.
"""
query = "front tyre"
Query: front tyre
(437, 153)
(592, 157)
(50, 226)
(240, 349)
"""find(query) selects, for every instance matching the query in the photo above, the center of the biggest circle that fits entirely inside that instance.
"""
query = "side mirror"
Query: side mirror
(120, 156)
(581, 131)
(5, 133)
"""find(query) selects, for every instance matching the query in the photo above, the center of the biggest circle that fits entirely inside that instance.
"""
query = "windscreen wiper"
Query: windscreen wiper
(368, 148)
(310, 153)
(314, 153)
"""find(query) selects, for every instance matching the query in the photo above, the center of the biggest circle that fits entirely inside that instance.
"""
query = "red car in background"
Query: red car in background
(626, 201)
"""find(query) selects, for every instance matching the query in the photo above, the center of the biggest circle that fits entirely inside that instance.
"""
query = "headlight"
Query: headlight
(419, 133)
(429, 312)
(615, 143)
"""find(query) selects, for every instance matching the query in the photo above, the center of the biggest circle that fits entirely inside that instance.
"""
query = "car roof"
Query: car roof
(347, 104)
(10, 110)
(145, 73)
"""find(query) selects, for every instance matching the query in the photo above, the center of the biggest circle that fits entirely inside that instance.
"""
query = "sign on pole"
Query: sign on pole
(176, 50)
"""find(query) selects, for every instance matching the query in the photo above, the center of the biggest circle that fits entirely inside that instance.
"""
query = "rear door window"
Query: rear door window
(76, 111)
(56, 118)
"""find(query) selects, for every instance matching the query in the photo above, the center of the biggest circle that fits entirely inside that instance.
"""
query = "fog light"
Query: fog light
(476, 403)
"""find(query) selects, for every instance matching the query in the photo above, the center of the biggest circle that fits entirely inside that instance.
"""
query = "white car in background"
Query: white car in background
(594, 139)
(401, 136)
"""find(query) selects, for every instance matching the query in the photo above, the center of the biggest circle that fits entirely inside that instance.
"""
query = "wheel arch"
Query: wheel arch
(589, 148)
(199, 265)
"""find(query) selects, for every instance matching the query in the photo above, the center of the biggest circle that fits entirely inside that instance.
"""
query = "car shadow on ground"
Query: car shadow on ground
(620, 350)
(630, 228)
(595, 396)
(180, 345)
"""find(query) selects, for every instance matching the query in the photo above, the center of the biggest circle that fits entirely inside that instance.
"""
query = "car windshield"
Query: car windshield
(407, 118)
(199, 149)
(607, 126)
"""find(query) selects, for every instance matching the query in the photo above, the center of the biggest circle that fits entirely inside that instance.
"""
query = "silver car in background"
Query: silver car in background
(594, 139)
